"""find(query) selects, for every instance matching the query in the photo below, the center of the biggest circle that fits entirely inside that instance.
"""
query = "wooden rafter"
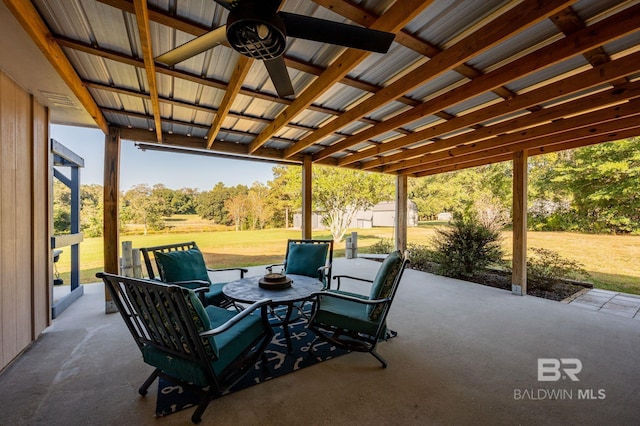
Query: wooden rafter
(33, 24)
(196, 29)
(582, 40)
(142, 18)
(235, 84)
(630, 120)
(392, 21)
(543, 149)
(588, 79)
(364, 17)
(514, 20)
(543, 122)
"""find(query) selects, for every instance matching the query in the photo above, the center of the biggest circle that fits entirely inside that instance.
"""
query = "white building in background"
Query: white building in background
(382, 214)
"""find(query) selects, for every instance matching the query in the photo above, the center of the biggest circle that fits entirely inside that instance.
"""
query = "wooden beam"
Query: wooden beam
(235, 84)
(542, 149)
(514, 20)
(33, 24)
(196, 29)
(401, 212)
(588, 79)
(142, 18)
(111, 223)
(364, 17)
(612, 119)
(542, 123)
(519, 263)
(600, 33)
(393, 20)
(307, 202)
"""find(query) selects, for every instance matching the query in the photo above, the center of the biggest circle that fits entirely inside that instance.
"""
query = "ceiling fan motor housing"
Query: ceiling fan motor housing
(256, 31)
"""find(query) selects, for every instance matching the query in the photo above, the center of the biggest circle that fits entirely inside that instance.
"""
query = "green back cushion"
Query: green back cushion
(181, 265)
(305, 259)
(200, 318)
(383, 282)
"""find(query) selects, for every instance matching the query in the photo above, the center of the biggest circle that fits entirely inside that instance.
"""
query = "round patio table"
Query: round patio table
(247, 290)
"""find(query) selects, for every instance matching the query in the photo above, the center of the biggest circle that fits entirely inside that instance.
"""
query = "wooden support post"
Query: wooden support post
(401, 213)
(519, 267)
(307, 167)
(111, 219)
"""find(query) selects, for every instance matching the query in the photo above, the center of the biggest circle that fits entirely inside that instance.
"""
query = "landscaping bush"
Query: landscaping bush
(466, 247)
(547, 265)
(383, 246)
(422, 258)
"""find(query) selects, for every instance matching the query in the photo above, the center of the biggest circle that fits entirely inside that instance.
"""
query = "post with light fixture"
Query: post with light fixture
(111, 220)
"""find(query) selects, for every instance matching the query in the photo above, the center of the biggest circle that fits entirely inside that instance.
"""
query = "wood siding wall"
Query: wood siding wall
(25, 255)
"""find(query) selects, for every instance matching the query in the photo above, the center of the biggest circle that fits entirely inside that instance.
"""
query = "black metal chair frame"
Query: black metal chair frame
(151, 272)
(139, 314)
(349, 339)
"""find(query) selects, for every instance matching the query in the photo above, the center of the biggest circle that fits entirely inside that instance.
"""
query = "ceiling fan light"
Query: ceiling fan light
(256, 35)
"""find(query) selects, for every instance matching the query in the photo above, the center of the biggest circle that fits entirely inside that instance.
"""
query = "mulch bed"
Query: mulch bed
(552, 289)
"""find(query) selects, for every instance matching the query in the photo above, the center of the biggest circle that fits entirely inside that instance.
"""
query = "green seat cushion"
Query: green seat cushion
(345, 314)
(305, 259)
(229, 345)
(383, 282)
(214, 295)
(182, 265)
(235, 341)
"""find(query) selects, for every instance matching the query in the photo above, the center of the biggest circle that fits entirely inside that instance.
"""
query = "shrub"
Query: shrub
(546, 265)
(383, 246)
(466, 247)
(422, 258)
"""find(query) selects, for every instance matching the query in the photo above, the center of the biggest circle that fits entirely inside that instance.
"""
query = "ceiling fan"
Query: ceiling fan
(255, 28)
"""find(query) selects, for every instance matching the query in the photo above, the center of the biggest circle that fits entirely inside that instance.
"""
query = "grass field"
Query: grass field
(611, 260)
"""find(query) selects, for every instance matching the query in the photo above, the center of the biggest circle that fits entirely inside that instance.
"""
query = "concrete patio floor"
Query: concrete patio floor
(465, 354)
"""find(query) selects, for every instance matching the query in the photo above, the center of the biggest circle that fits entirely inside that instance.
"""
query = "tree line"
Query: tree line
(593, 189)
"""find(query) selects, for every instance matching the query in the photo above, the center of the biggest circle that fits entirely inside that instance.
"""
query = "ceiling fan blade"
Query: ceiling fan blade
(227, 4)
(331, 32)
(279, 76)
(194, 47)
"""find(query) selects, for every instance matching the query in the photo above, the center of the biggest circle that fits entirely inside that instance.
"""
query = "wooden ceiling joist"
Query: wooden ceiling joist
(543, 149)
(600, 33)
(514, 20)
(392, 21)
(630, 119)
(605, 73)
(142, 19)
(42, 37)
(542, 122)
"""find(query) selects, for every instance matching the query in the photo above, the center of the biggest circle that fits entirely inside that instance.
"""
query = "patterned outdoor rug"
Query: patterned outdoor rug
(173, 398)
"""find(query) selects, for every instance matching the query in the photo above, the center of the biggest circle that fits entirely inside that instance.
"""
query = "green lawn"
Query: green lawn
(611, 260)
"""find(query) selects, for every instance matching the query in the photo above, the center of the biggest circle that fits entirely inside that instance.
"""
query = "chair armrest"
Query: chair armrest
(202, 284)
(242, 270)
(321, 294)
(275, 264)
(339, 277)
(236, 319)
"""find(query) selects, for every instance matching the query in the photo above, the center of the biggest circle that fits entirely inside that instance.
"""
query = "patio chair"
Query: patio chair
(183, 264)
(206, 350)
(312, 258)
(354, 321)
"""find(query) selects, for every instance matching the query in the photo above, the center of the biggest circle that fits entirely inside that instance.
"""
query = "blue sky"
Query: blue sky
(173, 170)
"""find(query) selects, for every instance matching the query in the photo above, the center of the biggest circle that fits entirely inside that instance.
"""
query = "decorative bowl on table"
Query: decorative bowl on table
(274, 281)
